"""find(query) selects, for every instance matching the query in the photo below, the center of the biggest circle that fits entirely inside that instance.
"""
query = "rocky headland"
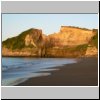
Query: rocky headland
(68, 42)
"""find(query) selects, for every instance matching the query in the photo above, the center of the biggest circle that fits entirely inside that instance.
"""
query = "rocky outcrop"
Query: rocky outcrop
(29, 41)
(68, 42)
(91, 51)
(71, 36)
(23, 52)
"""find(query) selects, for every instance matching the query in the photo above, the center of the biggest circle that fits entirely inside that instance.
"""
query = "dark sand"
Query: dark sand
(83, 73)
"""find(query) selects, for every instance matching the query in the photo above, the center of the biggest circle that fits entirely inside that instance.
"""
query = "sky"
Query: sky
(14, 24)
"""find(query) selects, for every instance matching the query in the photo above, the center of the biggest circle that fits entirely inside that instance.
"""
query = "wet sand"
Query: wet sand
(82, 73)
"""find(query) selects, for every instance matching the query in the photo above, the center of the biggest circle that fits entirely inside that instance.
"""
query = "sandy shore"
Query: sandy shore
(83, 73)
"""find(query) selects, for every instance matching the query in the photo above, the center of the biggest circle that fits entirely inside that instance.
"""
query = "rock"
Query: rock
(71, 36)
(91, 51)
(68, 42)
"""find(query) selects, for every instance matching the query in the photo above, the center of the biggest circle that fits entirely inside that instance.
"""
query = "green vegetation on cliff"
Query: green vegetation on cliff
(17, 42)
(82, 47)
(94, 40)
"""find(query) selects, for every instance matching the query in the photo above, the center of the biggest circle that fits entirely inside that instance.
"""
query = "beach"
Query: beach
(82, 73)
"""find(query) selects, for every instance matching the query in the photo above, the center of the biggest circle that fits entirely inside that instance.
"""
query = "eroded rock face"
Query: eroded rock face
(23, 52)
(34, 37)
(71, 36)
(29, 41)
(91, 51)
(35, 43)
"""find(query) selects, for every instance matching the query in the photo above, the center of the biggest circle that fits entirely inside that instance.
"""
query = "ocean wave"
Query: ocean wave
(5, 68)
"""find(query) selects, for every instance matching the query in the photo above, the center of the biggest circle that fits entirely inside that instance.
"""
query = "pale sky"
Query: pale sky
(14, 24)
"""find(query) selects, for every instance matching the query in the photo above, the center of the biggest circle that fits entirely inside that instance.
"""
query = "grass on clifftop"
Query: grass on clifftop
(17, 42)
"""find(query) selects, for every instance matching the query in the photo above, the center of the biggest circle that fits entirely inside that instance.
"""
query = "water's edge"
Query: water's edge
(21, 69)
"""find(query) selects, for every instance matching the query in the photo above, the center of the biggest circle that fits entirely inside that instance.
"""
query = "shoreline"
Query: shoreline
(82, 73)
(40, 57)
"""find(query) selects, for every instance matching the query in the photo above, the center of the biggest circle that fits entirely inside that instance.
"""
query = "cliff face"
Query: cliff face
(91, 51)
(69, 42)
(25, 44)
(71, 36)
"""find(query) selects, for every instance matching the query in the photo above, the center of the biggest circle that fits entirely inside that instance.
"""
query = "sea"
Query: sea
(16, 70)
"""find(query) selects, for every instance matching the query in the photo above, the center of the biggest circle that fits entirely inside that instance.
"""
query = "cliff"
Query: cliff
(71, 36)
(68, 42)
(28, 43)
